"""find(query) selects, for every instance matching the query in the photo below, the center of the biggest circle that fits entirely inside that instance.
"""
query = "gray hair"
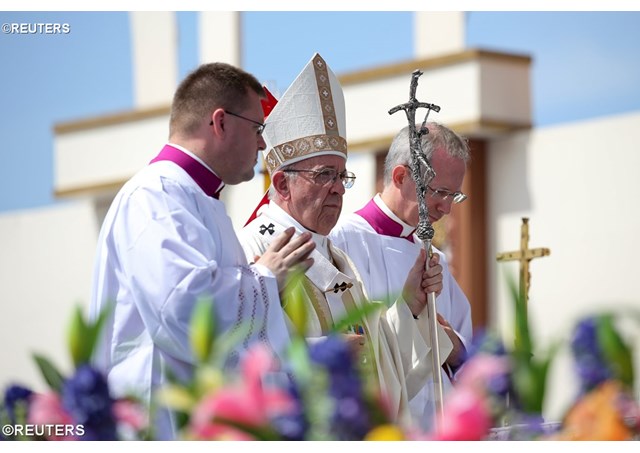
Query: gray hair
(439, 136)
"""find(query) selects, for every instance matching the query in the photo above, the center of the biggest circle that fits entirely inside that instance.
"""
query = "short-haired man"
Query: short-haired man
(167, 241)
(380, 240)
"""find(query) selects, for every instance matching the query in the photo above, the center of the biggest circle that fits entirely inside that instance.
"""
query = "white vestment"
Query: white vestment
(403, 362)
(164, 244)
(383, 262)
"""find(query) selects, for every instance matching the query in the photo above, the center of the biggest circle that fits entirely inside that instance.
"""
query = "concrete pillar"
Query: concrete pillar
(154, 52)
(438, 33)
(220, 33)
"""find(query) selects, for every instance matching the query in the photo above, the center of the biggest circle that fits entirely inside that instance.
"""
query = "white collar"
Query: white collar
(279, 214)
(407, 229)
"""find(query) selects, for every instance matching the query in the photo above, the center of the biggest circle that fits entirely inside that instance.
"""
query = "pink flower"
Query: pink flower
(248, 404)
(130, 414)
(46, 409)
(481, 370)
(466, 417)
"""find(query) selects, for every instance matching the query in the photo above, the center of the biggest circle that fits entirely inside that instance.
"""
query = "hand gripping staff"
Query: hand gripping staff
(422, 173)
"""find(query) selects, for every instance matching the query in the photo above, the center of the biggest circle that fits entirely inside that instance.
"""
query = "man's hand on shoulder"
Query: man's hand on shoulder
(286, 252)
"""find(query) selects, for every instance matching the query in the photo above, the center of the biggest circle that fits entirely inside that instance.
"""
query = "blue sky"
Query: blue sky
(585, 64)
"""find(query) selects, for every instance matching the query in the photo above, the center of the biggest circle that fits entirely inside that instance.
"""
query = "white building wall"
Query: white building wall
(578, 184)
(107, 154)
(45, 271)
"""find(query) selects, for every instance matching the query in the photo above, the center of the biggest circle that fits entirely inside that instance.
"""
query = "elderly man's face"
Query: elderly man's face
(316, 206)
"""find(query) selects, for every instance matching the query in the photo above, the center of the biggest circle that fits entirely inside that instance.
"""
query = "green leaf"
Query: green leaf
(82, 335)
(95, 328)
(202, 329)
(77, 335)
(530, 379)
(294, 301)
(529, 372)
(617, 353)
(298, 359)
(50, 373)
(523, 342)
(355, 316)
(312, 382)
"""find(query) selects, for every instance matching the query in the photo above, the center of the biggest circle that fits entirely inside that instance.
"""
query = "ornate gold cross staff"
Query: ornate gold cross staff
(524, 256)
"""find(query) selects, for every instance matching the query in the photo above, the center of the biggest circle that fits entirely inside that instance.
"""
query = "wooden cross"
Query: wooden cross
(524, 255)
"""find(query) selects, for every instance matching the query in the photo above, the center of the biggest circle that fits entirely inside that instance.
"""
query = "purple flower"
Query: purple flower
(13, 396)
(350, 419)
(498, 384)
(484, 342)
(591, 366)
(294, 424)
(333, 354)
(86, 397)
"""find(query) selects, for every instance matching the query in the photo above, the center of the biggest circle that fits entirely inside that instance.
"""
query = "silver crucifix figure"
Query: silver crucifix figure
(422, 173)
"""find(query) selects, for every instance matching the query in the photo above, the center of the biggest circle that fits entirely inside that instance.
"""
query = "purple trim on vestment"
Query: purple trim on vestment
(381, 222)
(208, 182)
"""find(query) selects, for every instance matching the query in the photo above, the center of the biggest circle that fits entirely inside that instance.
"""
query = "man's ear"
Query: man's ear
(217, 122)
(399, 175)
(281, 184)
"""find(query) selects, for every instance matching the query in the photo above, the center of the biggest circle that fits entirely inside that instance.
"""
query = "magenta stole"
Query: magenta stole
(381, 222)
(208, 182)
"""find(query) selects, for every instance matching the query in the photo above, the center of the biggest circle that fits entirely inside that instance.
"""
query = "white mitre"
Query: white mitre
(309, 119)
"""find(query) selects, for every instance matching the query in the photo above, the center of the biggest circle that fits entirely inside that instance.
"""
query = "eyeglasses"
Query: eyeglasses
(261, 126)
(444, 195)
(329, 175)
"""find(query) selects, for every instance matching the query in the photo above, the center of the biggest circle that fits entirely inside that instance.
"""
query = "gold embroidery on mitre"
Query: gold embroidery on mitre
(326, 98)
(303, 147)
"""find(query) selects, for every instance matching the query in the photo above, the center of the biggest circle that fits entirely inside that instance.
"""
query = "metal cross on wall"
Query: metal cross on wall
(524, 256)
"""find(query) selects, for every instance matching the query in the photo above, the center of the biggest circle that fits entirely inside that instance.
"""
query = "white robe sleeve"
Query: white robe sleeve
(414, 342)
(161, 251)
(176, 259)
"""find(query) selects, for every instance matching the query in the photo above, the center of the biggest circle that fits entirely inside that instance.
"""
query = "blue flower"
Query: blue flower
(332, 353)
(86, 397)
(350, 419)
(486, 342)
(591, 366)
(13, 396)
(294, 425)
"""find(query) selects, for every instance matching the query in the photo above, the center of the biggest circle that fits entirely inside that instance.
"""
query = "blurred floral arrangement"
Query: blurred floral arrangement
(502, 387)
(77, 405)
(322, 393)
